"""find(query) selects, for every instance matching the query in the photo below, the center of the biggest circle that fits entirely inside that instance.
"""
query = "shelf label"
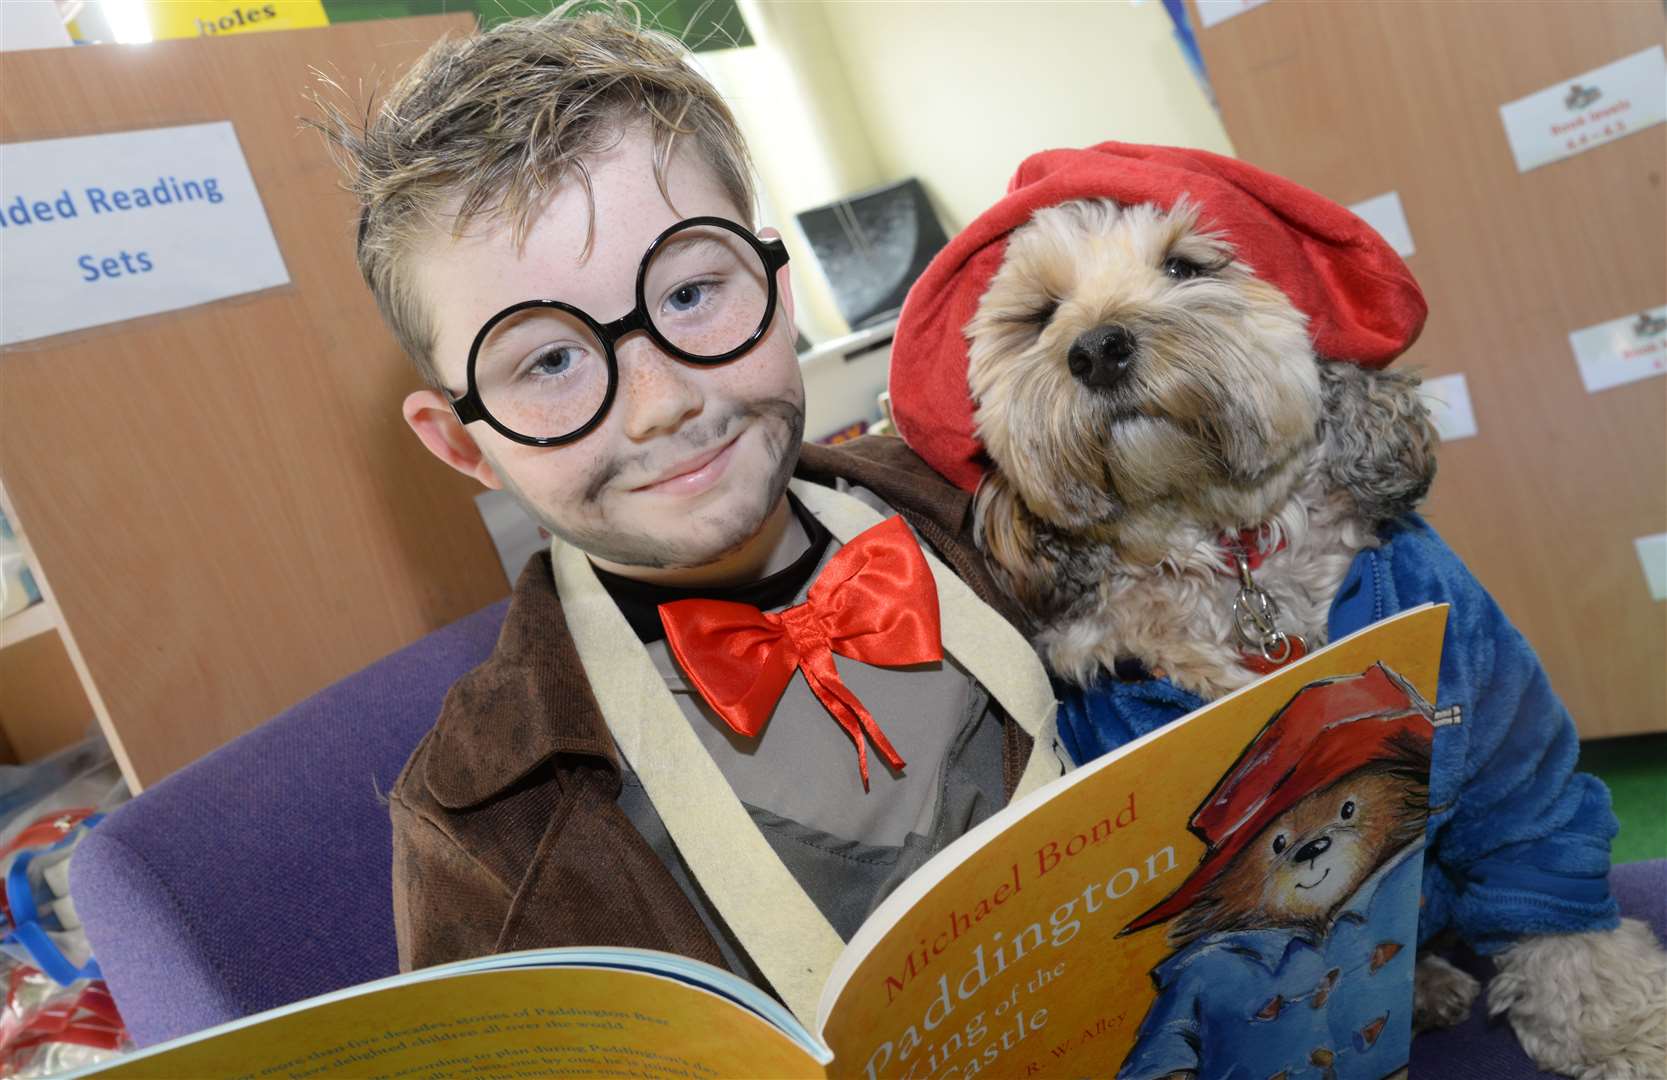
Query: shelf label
(1652, 552)
(1588, 110)
(1384, 213)
(1448, 397)
(101, 228)
(1211, 12)
(1621, 350)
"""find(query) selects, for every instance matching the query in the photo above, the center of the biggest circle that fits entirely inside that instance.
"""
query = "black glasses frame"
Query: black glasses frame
(470, 407)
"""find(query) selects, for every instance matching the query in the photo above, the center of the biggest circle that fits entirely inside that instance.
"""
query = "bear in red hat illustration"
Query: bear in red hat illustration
(1295, 935)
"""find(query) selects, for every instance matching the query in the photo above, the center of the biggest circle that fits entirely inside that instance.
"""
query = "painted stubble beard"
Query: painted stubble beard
(1221, 398)
(780, 422)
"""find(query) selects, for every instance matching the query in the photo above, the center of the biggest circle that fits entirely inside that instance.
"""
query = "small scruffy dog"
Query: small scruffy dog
(1138, 387)
(1176, 481)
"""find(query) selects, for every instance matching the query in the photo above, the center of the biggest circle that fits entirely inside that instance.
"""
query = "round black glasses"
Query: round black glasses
(544, 373)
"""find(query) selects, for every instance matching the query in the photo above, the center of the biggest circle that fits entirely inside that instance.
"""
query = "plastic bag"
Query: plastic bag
(51, 1025)
(48, 806)
(41, 926)
(47, 1029)
(84, 774)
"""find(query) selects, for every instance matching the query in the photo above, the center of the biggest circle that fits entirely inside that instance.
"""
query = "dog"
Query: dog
(1178, 482)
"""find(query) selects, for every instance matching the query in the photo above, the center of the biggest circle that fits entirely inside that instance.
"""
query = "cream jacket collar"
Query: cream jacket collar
(760, 901)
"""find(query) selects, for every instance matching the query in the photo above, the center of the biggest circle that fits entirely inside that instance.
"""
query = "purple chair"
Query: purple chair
(1485, 1049)
(259, 875)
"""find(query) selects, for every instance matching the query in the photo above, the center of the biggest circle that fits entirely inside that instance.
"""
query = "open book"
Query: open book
(1237, 888)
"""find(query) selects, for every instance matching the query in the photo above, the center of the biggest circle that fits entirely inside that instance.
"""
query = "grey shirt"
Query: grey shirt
(798, 779)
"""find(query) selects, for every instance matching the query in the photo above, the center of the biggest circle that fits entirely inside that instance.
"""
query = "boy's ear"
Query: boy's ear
(430, 416)
(784, 282)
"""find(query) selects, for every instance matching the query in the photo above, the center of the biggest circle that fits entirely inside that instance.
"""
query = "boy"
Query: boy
(607, 777)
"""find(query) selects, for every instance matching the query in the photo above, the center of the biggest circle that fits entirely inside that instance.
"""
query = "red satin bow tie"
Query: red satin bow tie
(874, 601)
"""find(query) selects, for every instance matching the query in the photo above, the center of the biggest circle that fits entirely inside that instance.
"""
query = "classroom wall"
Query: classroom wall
(841, 96)
(808, 142)
(959, 94)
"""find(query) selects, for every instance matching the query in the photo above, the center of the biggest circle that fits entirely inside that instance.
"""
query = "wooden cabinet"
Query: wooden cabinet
(44, 705)
(226, 506)
(1544, 504)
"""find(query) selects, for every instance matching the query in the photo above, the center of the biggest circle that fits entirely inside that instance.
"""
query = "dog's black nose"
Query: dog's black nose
(1314, 849)
(1101, 357)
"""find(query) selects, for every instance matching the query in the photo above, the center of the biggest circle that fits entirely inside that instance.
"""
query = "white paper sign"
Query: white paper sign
(1211, 12)
(1621, 350)
(102, 228)
(1384, 213)
(1652, 552)
(1588, 110)
(1448, 397)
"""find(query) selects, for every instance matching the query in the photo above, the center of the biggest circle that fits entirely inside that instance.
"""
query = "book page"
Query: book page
(1025, 957)
(520, 1023)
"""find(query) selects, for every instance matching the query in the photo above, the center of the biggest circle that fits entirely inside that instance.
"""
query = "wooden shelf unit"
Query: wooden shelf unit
(227, 510)
(1544, 504)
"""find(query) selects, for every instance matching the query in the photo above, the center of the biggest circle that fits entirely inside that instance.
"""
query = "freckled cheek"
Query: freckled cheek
(780, 388)
(771, 378)
(553, 477)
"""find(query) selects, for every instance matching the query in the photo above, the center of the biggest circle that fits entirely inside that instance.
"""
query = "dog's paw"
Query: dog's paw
(1592, 1006)
(1442, 995)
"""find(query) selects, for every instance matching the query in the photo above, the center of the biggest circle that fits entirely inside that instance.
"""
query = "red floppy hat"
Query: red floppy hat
(1361, 301)
(1327, 731)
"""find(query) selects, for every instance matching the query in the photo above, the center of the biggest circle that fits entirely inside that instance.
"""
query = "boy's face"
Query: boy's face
(690, 460)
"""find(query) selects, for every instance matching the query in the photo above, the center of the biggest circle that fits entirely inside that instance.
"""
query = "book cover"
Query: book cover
(1075, 937)
(1238, 889)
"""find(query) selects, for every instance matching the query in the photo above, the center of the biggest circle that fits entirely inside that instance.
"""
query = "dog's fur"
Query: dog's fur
(1105, 510)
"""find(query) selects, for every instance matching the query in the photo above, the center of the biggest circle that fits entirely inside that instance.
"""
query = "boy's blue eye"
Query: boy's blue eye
(553, 361)
(688, 296)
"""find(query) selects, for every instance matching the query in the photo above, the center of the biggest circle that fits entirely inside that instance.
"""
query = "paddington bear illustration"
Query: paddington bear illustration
(1295, 936)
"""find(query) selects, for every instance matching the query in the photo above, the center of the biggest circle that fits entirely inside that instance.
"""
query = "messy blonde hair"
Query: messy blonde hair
(497, 121)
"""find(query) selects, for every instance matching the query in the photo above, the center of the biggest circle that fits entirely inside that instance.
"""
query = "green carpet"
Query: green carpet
(1635, 769)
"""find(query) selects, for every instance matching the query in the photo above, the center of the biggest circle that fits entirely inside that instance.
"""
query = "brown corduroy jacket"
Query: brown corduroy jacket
(507, 830)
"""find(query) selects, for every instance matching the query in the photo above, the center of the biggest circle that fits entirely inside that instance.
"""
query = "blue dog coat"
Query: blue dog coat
(1518, 842)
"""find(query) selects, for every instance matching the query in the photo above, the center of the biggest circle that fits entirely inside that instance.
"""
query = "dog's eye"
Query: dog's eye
(1348, 810)
(1042, 314)
(1181, 269)
(1279, 843)
(1037, 316)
